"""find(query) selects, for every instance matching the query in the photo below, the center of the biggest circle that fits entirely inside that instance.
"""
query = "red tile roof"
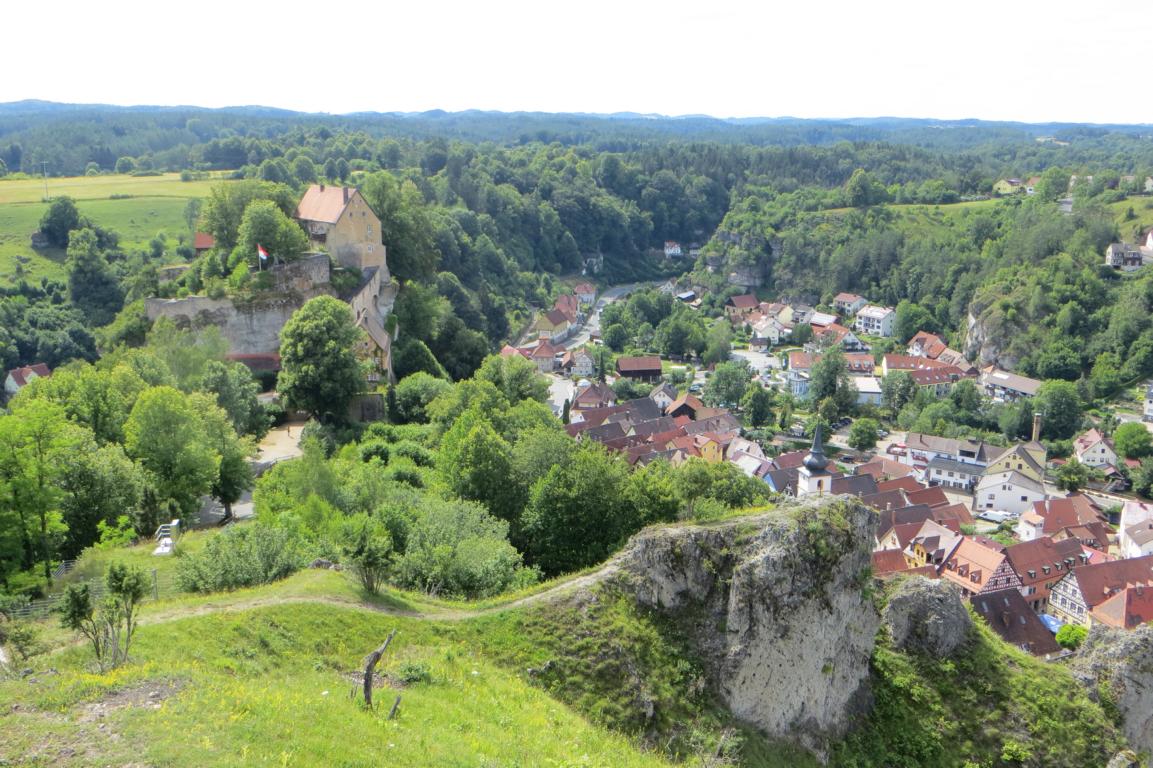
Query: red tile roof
(907, 483)
(25, 374)
(1100, 582)
(934, 497)
(887, 561)
(1128, 609)
(639, 364)
(203, 241)
(324, 203)
(745, 301)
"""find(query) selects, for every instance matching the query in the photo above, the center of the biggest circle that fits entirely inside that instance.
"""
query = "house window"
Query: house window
(990, 496)
(950, 474)
(1024, 498)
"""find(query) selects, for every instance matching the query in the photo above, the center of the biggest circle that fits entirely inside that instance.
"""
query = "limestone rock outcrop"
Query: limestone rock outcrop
(1116, 667)
(776, 607)
(926, 616)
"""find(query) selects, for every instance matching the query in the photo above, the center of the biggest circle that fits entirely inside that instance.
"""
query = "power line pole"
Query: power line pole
(44, 170)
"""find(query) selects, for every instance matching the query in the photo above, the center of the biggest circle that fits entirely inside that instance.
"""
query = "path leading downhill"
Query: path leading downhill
(177, 612)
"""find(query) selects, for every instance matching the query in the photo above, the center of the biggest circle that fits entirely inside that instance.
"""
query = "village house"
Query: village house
(1127, 609)
(18, 378)
(1026, 458)
(941, 471)
(646, 368)
(585, 292)
(1055, 517)
(922, 449)
(340, 221)
(592, 396)
(868, 389)
(1082, 589)
(828, 336)
(553, 325)
(925, 344)
(545, 356)
(932, 545)
(977, 568)
(579, 363)
(739, 307)
(768, 332)
(1135, 537)
(1040, 564)
(672, 249)
(1011, 492)
(1008, 614)
(891, 363)
(202, 243)
(939, 381)
(1093, 449)
(663, 395)
(1003, 386)
(1008, 187)
(848, 303)
(875, 321)
(1125, 257)
(822, 319)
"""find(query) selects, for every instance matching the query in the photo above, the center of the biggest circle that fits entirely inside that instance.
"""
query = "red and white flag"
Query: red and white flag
(263, 254)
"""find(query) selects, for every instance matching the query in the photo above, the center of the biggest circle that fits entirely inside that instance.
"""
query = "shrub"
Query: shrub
(419, 455)
(110, 627)
(240, 557)
(374, 449)
(367, 550)
(407, 475)
(412, 672)
(456, 548)
(1071, 636)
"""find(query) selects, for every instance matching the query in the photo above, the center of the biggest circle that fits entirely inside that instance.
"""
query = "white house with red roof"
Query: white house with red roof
(1093, 449)
(18, 378)
(848, 303)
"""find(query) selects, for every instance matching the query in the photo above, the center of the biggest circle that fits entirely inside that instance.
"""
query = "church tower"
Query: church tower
(813, 477)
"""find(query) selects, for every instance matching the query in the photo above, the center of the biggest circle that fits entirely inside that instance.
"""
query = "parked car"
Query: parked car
(994, 516)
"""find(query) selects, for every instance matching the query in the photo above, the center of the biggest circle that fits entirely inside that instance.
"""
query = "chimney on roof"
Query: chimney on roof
(346, 194)
(1036, 427)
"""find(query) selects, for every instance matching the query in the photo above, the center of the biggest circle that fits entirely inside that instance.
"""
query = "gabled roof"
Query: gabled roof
(1066, 513)
(881, 467)
(847, 298)
(925, 377)
(930, 344)
(685, 401)
(557, 317)
(1014, 478)
(995, 377)
(1099, 582)
(544, 350)
(972, 564)
(1009, 615)
(938, 540)
(908, 483)
(1088, 439)
(1030, 559)
(854, 485)
(24, 375)
(745, 301)
(894, 362)
(646, 363)
(324, 203)
(790, 460)
(932, 496)
(1128, 609)
(886, 500)
(584, 288)
(509, 351)
(886, 561)
(202, 241)
(900, 516)
(594, 395)
(958, 512)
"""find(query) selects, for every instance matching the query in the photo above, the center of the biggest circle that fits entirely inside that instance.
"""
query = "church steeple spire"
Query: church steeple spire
(816, 461)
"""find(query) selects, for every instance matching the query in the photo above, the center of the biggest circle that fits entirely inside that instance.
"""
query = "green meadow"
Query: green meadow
(136, 207)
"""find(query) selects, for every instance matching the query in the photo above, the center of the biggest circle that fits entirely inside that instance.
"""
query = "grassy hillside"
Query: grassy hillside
(136, 207)
(566, 677)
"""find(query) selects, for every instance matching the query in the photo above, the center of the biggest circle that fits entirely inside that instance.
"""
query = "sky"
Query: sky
(1018, 60)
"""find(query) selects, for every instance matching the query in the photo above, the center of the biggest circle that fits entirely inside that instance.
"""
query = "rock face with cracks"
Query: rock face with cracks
(777, 607)
(926, 616)
(1116, 667)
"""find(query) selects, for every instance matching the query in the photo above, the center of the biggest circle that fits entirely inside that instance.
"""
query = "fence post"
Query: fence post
(155, 586)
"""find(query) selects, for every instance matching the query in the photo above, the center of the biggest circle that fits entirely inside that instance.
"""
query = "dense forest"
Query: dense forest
(483, 210)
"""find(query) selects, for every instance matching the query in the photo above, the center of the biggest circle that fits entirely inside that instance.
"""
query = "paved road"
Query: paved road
(759, 362)
(593, 324)
(559, 390)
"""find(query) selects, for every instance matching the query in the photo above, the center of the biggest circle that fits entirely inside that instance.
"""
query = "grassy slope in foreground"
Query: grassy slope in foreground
(262, 677)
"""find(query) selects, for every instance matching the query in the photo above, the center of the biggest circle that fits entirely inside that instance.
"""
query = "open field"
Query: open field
(143, 207)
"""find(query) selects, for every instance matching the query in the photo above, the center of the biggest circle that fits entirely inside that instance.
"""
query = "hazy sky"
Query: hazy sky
(992, 59)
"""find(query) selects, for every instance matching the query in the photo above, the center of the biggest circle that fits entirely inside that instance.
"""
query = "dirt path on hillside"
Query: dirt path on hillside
(177, 612)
